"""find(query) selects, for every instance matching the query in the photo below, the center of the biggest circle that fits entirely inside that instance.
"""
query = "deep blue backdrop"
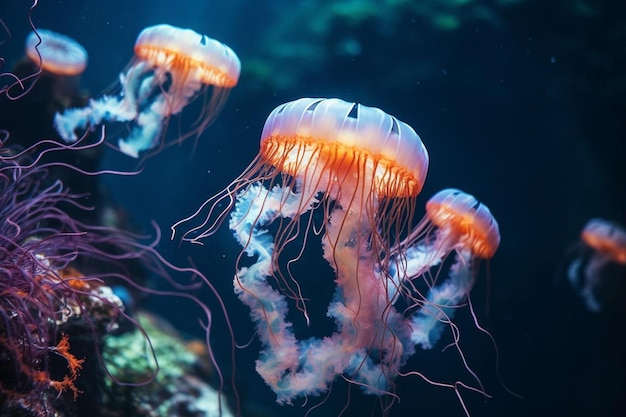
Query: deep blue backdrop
(526, 114)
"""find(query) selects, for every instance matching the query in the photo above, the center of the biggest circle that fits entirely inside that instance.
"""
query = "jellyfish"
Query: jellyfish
(599, 263)
(456, 224)
(360, 170)
(59, 62)
(171, 68)
(57, 53)
(50, 72)
(52, 59)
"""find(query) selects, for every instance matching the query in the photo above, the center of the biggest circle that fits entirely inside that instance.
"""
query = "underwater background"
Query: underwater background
(521, 103)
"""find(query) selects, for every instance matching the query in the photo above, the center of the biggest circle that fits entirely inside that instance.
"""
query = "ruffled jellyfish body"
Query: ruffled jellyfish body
(599, 264)
(361, 169)
(58, 54)
(172, 67)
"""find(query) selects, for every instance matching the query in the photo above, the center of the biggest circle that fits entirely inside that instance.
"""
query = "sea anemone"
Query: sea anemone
(55, 306)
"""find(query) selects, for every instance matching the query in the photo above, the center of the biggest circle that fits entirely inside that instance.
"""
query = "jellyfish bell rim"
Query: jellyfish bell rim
(336, 128)
(606, 237)
(469, 217)
(59, 54)
(167, 45)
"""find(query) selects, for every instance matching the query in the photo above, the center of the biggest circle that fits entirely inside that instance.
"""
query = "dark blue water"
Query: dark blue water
(520, 104)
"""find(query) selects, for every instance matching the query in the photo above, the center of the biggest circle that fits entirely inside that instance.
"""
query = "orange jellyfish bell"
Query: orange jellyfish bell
(607, 238)
(310, 136)
(467, 218)
(58, 54)
(188, 54)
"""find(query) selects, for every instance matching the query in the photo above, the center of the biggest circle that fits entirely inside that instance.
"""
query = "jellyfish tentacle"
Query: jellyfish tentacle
(430, 320)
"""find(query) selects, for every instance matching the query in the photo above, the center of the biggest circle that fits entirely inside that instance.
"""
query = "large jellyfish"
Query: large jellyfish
(599, 265)
(171, 67)
(361, 169)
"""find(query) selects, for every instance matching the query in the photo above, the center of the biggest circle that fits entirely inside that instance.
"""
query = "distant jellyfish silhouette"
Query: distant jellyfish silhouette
(171, 68)
(58, 54)
(599, 265)
(46, 80)
(57, 59)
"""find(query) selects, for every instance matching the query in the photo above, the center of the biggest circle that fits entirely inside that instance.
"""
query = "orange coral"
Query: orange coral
(73, 364)
(66, 383)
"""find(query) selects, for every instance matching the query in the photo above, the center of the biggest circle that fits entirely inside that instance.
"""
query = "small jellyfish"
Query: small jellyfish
(599, 265)
(171, 68)
(50, 73)
(57, 59)
(455, 223)
(52, 64)
(58, 54)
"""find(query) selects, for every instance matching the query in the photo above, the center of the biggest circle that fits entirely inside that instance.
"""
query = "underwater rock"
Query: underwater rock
(157, 373)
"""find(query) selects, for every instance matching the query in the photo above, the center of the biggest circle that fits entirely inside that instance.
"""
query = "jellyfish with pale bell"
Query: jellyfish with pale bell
(171, 68)
(360, 171)
(51, 71)
(62, 60)
(456, 224)
(56, 53)
(50, 55)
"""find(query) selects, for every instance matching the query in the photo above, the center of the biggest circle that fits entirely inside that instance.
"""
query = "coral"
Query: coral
(74, 365)
(175, 387)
